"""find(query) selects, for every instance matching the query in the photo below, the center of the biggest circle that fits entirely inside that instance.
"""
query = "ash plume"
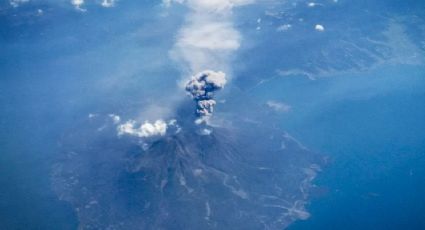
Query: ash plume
(202, 87)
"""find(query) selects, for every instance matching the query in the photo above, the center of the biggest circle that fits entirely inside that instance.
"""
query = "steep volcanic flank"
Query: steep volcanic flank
(235, 178)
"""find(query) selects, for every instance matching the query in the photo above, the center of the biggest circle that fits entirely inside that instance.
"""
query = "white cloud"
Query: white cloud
(319, 27)
(208, 36)
(16, 3)
(108, 3)
(284, 27)
(115, 118)
(278, 106)
(92, 115)
(313, 4)
(147, 129)
(77, 4)
(205, 43)
(212, 36)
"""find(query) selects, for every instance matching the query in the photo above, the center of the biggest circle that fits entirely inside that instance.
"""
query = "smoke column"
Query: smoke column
(202, 87)
(207, 40)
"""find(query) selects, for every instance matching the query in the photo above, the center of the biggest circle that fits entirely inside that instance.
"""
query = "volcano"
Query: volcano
(243, 176)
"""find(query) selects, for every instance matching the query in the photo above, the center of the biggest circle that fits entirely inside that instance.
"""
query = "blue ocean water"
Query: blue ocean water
(372, 126)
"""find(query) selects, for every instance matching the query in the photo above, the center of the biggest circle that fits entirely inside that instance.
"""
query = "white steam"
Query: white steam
(147, 129)
(208, 37)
